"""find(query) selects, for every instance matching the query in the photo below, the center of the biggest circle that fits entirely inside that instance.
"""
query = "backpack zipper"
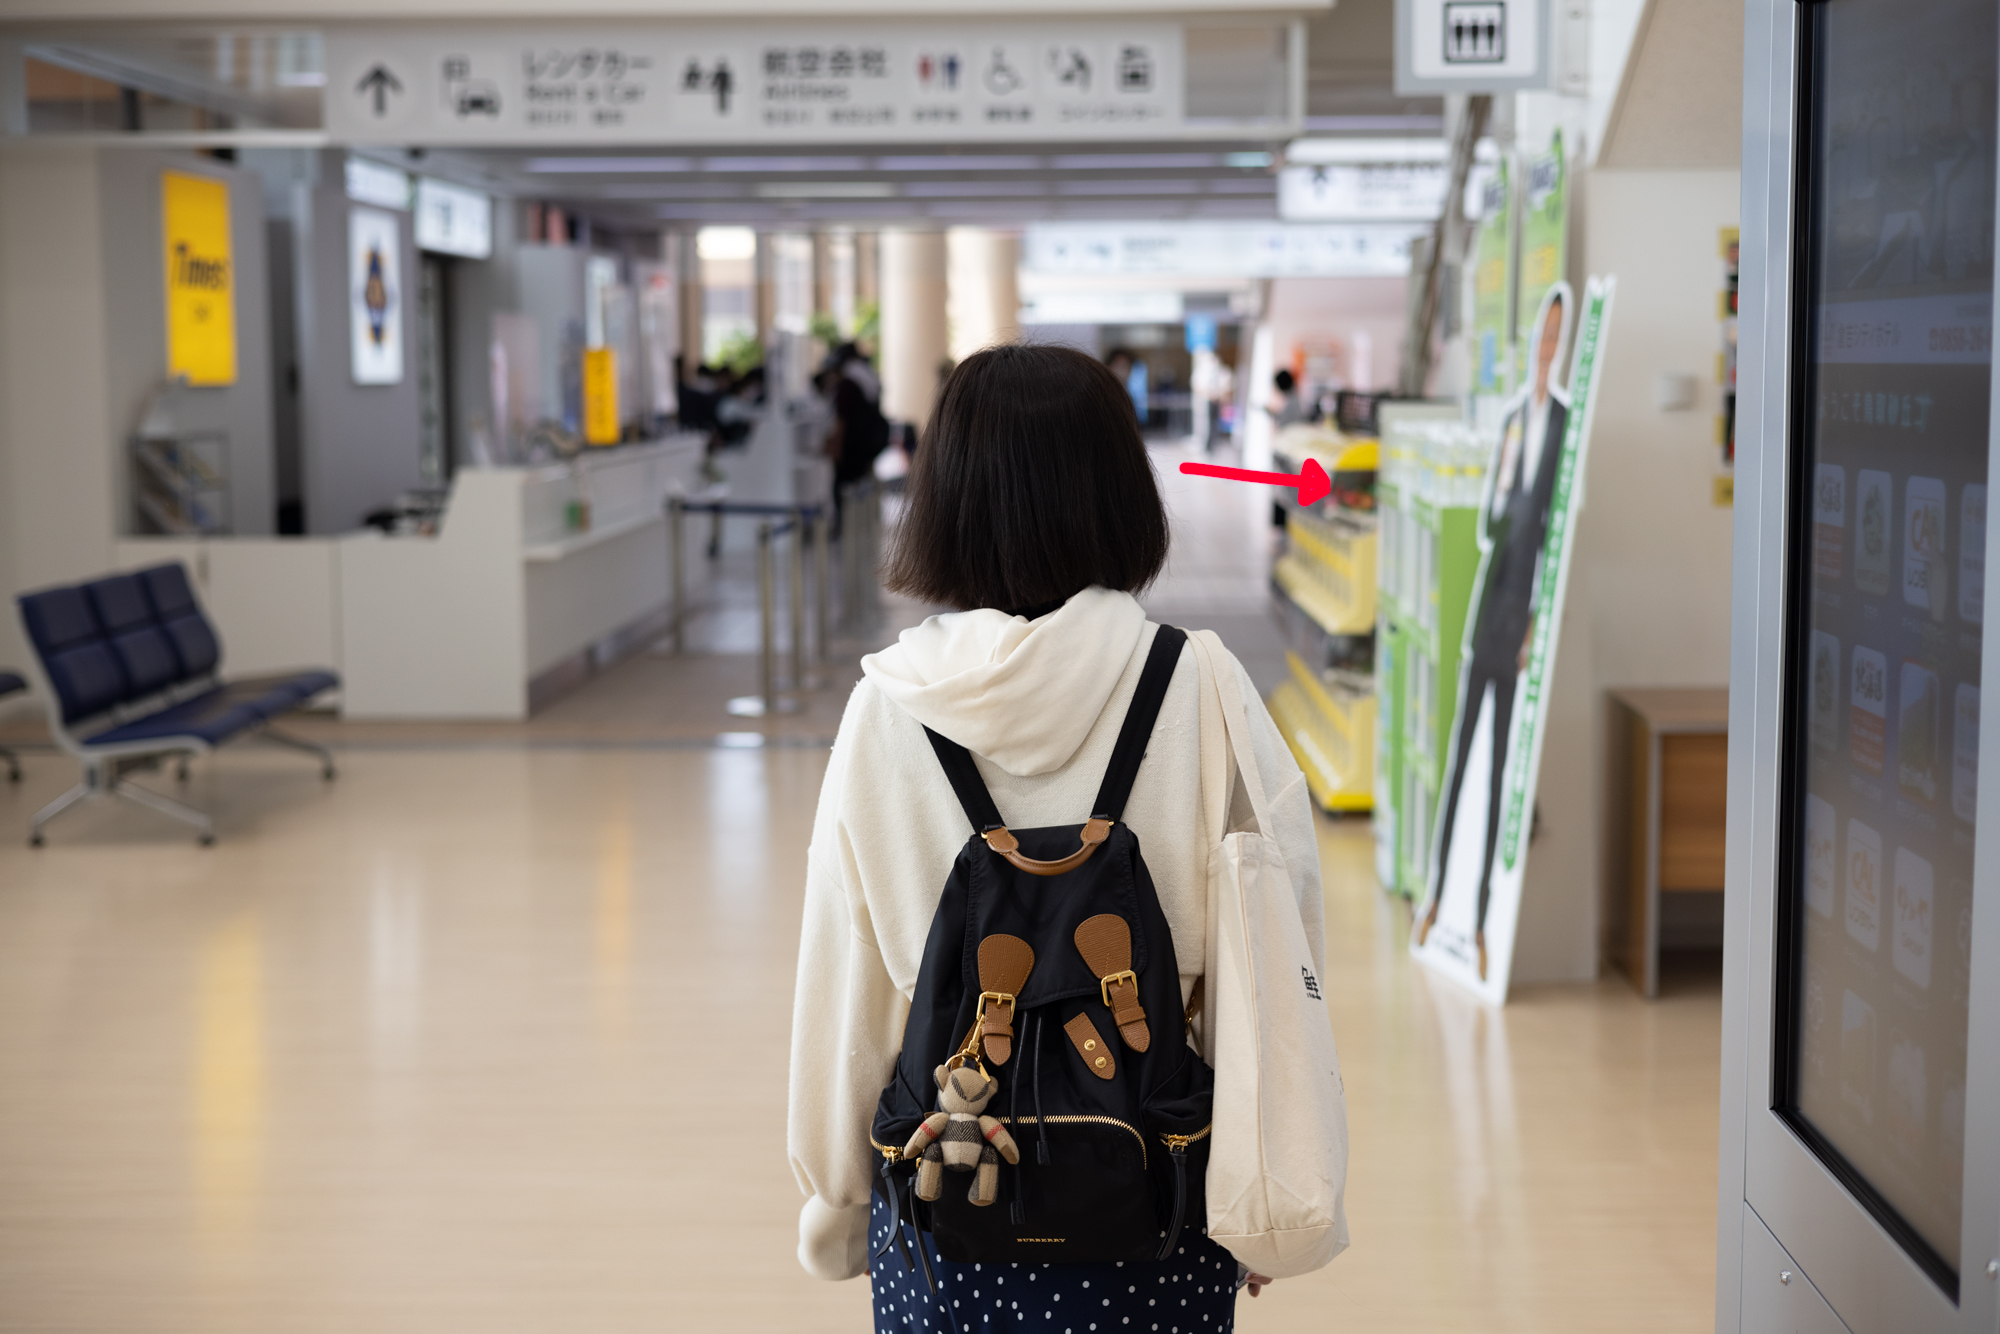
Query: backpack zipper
(1126, 1126)
(1179, 1143)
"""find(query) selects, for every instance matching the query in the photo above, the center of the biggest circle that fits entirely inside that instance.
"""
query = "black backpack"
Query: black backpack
(1080, 1055)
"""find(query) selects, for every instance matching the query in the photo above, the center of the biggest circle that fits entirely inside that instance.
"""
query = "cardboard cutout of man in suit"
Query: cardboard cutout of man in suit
(1514, 527)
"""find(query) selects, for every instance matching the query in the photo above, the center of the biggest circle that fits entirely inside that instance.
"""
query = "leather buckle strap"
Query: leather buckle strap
(1004, 964)
(1001, 840)
(1121, 996)
(1104, 985)
(1105, 942)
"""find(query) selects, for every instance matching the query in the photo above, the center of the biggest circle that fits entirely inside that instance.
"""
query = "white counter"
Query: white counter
(457, 625)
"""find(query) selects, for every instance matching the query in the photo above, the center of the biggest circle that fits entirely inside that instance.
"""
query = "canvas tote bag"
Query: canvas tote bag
(1278, 1172)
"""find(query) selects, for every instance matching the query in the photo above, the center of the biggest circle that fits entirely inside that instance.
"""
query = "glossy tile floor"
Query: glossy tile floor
(491, 1037)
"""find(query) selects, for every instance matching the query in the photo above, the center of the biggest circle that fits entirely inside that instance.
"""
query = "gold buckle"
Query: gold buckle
(1104, 985)
(1004, 997)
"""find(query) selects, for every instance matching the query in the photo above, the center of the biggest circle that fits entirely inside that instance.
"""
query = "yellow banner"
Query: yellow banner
(201, 279)
(600, 396)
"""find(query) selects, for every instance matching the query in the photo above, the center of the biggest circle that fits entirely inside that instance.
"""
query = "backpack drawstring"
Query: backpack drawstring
(1018, 1211)
(1041, 1122)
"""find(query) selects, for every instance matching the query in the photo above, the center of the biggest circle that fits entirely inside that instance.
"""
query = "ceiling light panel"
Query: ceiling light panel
(1128, 187)
(972, 189)
(760, 164)
(826, 190)
(669, 190)
(958, 162)
(605, 166)
(1135, 161)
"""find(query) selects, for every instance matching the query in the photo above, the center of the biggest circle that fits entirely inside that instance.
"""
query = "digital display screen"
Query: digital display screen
(1888, 590)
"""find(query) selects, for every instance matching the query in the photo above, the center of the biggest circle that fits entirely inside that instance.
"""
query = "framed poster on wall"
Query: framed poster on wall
(201, 279)
(375, 296)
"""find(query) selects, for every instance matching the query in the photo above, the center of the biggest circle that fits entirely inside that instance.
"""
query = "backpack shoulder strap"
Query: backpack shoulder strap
(1123, 770)
(966, 782)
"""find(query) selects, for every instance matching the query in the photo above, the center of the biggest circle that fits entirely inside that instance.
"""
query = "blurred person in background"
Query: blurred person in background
(1283, 403)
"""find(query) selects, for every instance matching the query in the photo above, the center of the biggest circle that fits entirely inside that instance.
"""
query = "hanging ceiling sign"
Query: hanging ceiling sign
(740, 85)
(1363, 191)
(1220, 249)
(452, 220)
(1471, 46)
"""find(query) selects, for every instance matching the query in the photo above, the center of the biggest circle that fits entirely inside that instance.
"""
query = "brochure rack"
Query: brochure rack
(180, 483)
(1428, 499)
(1325, 586)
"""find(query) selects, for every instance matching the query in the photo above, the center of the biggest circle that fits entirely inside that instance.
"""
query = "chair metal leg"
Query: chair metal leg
(13, 764)
(153, 801)
(277, 737)
(87, 788)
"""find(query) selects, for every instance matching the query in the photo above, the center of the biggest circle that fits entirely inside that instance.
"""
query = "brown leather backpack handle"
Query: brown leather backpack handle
(1004, 843)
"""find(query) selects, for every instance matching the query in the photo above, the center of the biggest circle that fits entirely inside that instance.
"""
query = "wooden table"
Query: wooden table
(1666, 813)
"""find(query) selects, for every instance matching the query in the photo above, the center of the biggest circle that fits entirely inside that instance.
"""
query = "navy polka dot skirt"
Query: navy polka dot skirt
(1191, 1292)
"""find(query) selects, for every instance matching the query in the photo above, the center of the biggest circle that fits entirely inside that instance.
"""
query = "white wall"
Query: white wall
(1339, 308)
(136, 352)
(1648, 600)
(358, 443)
(57, 518)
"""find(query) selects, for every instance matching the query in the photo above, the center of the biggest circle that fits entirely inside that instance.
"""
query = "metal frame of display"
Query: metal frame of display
(1796, 1248)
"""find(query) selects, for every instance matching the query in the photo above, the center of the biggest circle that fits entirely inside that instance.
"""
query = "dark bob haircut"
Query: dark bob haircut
(1031, 484)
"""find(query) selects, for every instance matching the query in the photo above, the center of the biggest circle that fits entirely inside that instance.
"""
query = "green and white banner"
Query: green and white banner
(1544, 230)
(1493, 289)
(1466, 921)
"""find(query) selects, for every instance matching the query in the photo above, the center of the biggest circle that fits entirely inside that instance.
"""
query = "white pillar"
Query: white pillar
(985, 300)
(914, 345)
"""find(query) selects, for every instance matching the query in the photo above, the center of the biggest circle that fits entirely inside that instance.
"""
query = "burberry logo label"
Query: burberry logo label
(1312, 983)
(1048, 1239)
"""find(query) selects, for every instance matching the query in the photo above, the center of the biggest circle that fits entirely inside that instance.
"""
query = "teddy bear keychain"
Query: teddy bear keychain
(960, 1138)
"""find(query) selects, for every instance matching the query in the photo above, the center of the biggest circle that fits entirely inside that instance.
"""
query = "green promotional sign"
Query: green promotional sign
(1544, 229)
(1493, 289)
(1552, 574)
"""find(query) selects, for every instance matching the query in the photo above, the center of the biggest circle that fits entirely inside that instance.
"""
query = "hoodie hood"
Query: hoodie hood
(1022, 693)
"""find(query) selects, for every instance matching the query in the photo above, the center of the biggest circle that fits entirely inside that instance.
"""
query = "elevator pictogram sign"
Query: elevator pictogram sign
(1471, 46)
(1475, 34)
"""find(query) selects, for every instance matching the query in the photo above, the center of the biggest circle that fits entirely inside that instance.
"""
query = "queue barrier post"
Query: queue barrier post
(676, 563)
(795, 580)
(769, 701)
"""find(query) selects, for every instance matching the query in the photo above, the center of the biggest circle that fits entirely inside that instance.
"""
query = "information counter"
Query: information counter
(531, 571)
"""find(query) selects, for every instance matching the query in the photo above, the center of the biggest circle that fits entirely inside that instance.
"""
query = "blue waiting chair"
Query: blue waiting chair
(129, 665)
(11, 684)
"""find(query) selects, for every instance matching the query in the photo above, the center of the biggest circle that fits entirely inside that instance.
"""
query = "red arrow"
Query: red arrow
(1310, 480)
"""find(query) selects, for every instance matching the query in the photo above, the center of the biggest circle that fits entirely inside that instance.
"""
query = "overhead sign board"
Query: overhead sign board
(690, 83)
(1471, 46)
(1363, 191)
(377, 183)
(1220, 249)
(453, 220)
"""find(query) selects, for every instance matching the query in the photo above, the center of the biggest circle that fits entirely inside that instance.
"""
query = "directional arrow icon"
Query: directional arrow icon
(1311, 479)
(380, 82)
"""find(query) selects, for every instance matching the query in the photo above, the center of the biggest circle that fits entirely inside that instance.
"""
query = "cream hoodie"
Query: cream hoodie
(1039, 704)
